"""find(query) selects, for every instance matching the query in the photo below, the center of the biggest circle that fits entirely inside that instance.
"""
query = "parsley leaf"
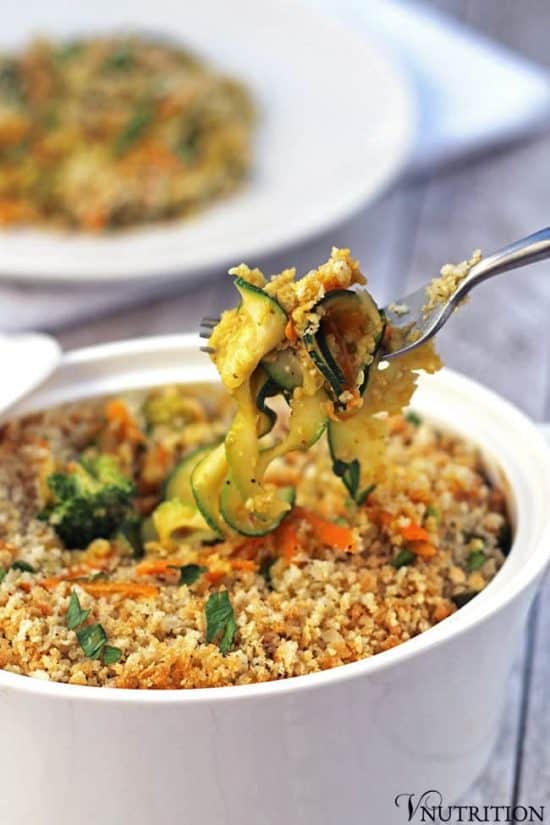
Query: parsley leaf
(265, 570)
(413, 418)
(3, 573)
(363, 496)
(111, 654)
(24, 566)
(463, 598)
(476, 560)
(75, 616)
(403, 558)
(220, 620)
(189, 573)
(92, 639)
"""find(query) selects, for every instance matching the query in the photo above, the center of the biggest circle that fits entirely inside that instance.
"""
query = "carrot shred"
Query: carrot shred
(288, 540)
(158, 567)
(131, 589)
(118, 414)
(290, 331)
(214, 576)
(249, 548)
(334, 535)
(414, 532)
(243, 564)
(423, 549)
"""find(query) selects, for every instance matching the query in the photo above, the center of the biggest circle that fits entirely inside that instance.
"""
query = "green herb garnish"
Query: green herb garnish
(362, 497)
(111, 654)
(75, 616)
(413, 418)
(403, 558)
(463, 598)
(476, 560)
(121, 59)
(134, 129)
(220, 620)
(265, 569)
(24, 566)
(189, 573)
(3, 573)
(433, 512)
(92, 639)
(130, 532)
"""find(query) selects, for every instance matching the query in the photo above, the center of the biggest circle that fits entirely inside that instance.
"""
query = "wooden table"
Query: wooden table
(502, 338)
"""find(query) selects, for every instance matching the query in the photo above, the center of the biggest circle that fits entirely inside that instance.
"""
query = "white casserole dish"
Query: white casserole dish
(334, 747)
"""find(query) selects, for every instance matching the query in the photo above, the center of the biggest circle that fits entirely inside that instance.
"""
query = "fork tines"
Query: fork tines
(207, 325)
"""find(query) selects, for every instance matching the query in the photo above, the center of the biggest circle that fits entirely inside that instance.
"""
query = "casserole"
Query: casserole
(329, 747)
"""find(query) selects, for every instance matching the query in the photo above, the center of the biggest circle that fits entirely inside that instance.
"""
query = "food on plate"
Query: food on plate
(199, 536)
(109, 132)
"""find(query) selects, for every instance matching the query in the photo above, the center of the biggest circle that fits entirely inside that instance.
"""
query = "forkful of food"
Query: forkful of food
(414, 319)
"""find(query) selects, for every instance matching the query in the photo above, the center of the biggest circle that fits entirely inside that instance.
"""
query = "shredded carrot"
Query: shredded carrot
(158, 567)
(130, 589)
(243, 564)
(334, 535)
(214, 576)
(78, 571)
(423, 549)
(95, 219)
(249, 548)
(414, 532)
(290, 331)
(118, 414)
(287, 540)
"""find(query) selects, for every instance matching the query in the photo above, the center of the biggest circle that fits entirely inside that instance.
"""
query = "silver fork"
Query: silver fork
(420, 325)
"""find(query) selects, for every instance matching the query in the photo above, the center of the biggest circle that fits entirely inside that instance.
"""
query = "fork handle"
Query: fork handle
(528, 250)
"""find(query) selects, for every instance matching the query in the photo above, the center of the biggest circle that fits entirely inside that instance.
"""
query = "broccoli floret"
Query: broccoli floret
(90, 501)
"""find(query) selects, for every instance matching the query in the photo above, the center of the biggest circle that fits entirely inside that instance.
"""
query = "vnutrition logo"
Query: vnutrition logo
(429, 806)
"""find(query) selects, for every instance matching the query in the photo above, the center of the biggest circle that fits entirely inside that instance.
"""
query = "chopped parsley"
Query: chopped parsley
(111, 654)
(463, 598)
(24, 566)
(476, 560)
(265, 569)
(433, 512)
(403, 558)
(134, 129)
(413, 418)
(3, 573)
(220, 620)
(362, 497)
(189, 573)
(91, 637)
(75, 616)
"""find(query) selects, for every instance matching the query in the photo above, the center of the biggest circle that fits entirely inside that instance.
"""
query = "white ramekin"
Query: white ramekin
(333, 747)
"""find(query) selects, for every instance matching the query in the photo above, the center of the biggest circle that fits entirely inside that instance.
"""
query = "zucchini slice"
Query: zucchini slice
(175, 520)
(308, 420)
(242, 443)
(263, 388)
(354, 446)
(283, 367)
(148, 532)
(251, 523)
(206, 482)
(178, 483)
(346, 341)
(246, 334)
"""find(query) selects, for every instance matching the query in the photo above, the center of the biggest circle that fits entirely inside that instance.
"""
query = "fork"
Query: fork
(419, 325)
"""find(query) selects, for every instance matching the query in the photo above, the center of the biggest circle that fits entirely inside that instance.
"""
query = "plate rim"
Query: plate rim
(49, 272)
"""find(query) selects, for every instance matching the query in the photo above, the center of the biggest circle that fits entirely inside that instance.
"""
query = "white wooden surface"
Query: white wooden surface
(501, 338)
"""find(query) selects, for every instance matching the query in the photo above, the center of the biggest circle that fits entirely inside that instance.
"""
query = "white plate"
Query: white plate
(335, 126)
